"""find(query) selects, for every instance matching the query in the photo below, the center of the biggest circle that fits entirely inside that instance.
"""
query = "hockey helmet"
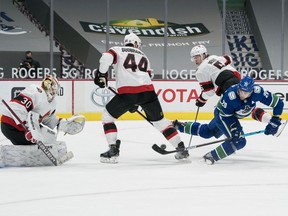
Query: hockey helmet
(51, 87)
(246, 84)
(198, 50)
(132, 39)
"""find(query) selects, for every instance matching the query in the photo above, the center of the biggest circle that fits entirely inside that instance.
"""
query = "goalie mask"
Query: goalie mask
(51, 87)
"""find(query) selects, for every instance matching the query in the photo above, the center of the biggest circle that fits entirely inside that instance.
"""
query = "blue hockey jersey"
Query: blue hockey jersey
(231, 105)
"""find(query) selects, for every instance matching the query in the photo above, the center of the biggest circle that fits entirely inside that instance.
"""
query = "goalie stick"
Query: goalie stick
(162, 151)
(41, 145)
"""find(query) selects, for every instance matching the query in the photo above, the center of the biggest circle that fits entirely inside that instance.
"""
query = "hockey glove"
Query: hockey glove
(72, 125)
(200, 102)
(237, 134)
(273, 125)
(29, 137)
(101, 79)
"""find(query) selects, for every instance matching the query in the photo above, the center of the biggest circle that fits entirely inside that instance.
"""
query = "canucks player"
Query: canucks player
(237, 102)
(215, 75)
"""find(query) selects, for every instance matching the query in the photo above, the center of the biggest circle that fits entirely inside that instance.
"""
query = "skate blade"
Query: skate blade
(181, 158)
(206, 161)
(112, 160)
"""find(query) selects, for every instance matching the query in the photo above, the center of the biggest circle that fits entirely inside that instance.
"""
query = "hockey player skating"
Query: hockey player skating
(214, 73)
(236, 103)
(135, 88)
(35, 108)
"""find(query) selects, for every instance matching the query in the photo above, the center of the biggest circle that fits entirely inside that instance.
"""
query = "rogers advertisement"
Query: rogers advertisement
(82, 96)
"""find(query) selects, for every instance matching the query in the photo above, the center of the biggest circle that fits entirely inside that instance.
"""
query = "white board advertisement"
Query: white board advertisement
(82, 96)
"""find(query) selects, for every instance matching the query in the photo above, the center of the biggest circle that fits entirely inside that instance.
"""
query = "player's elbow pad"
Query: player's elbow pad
(105, 61)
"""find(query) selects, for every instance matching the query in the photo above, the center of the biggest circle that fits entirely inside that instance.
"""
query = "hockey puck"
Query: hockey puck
(163, 146)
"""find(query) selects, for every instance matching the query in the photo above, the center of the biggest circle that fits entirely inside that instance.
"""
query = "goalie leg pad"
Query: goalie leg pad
(31, 155)
(62, 148)
(48, 135)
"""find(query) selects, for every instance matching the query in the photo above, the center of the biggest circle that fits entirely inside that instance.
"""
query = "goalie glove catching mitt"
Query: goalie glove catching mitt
(72, 125)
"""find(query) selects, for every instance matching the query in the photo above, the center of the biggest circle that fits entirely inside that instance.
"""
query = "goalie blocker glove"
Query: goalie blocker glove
(29, 137)
(101, 79)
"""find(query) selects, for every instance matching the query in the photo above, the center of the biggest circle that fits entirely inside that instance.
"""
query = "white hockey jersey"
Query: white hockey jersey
(132, 68)
(32, 98)
(208, 71)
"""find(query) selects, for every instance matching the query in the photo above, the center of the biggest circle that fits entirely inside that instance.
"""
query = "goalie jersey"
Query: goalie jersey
(32, 98)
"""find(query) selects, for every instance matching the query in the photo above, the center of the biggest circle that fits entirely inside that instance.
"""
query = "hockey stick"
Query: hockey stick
(194, 121)
(111, 89)
(40, 144)
(162, 151)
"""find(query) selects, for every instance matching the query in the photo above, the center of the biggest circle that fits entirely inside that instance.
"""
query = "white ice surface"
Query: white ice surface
(253, 182)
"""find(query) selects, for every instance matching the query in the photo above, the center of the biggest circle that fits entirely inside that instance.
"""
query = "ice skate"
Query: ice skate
(111, 156)
(182, 152)
(208, 159)
(281, 128)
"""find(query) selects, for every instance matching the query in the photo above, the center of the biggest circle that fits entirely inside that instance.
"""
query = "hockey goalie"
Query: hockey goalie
(30, 118)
